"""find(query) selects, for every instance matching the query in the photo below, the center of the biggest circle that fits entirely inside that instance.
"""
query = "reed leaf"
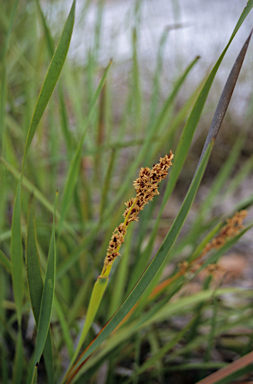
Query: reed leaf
(51, 78)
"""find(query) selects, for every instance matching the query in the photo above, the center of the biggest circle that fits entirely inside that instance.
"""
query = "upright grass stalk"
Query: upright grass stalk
(146, 187)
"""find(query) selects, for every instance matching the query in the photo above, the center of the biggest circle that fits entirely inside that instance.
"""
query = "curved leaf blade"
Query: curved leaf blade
(226, 96)
(51, 78)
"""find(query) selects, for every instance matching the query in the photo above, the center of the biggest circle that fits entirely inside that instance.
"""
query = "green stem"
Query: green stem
(95, 299)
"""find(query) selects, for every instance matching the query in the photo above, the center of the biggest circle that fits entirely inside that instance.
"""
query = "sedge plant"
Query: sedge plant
(146, 187)
(59, 132)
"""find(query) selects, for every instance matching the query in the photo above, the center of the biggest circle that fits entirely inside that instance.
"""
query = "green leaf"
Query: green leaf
(19, 361)
(95, 299)
(47, 296)
(49, 39)
(35, 376)
(64, 327)
(35, 285)
(34, 276)
(5, 261)
(50, 46)
(17, 254)
(51, 78)
(3, 74)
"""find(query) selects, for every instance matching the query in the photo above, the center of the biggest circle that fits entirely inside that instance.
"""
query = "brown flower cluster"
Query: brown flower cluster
(233, 227)
(230, 230)
(116, 240)
(146, 187)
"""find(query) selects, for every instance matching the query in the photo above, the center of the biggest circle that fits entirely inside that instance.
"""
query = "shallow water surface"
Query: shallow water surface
(195, 28)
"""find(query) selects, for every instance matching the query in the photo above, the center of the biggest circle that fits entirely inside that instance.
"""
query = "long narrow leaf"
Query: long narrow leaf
(5, 261)
(35, 284)
(3, 74)
(224, 373)
(226, 96)
(34, 276)
(50, 46)
(51, 77)
(17, 254)
(47, 297)
(19, 360)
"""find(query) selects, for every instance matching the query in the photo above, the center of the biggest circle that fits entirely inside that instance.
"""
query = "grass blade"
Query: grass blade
(3, 77)
(47, 297)
(34, 276)
(226, 96)
(51, 78)
(5, 261)
(50, 46)
(64, 327)
(17, 254)
(49, 39)
(224, 374)
(19, 361)
(35, 285)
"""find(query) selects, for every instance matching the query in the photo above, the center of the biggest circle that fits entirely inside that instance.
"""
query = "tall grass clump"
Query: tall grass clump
(71, 309)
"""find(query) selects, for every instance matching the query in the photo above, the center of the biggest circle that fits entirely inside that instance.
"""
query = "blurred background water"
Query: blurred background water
(194, 28)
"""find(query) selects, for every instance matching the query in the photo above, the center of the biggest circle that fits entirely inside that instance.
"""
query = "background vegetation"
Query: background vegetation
(184, 319)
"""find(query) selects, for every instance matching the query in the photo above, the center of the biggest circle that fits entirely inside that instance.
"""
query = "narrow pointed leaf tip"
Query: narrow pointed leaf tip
(226, 96)
(51, 78)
